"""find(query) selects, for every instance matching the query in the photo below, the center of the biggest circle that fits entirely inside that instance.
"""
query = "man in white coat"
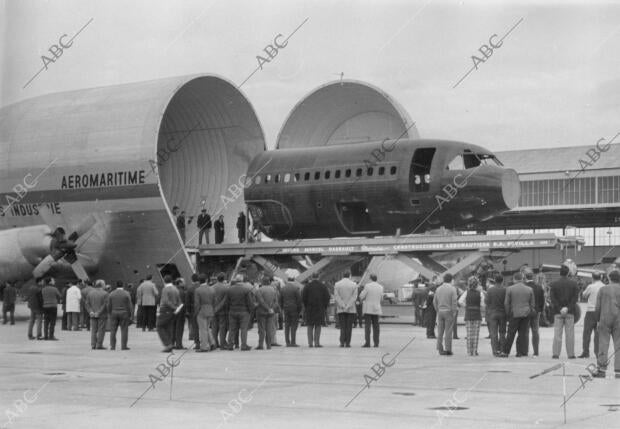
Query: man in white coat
(73, 308)
(371, 298)
(146, 297)
(345, 295)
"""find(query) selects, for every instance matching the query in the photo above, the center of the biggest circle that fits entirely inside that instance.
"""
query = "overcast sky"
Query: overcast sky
(553, 82)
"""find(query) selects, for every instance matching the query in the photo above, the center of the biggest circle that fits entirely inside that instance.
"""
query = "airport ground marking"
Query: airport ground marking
(270, 53)
(57, 51)
(487, 52)
(454, 402)
(379, 369)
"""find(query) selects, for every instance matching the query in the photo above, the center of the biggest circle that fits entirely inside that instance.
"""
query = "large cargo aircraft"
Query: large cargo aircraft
(377, 188)
(108, 164)
(88, 180)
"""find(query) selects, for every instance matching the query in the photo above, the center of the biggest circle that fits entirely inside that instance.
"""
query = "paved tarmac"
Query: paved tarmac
(65, 384)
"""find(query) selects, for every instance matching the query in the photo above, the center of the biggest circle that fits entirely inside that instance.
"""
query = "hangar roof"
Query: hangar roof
(560, 158)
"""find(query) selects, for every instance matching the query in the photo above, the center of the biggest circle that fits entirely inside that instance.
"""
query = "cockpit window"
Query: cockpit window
(469, 159)
(457, 163)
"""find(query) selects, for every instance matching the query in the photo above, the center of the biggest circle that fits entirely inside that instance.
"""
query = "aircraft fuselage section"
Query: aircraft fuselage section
(348, 191)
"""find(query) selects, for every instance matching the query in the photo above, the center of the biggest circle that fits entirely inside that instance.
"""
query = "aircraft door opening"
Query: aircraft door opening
(420, 170)
(168, 269)
(354, 217)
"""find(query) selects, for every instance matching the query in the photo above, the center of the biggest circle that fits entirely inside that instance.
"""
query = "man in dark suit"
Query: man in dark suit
(429, 313)
(86, 288)
(519, 306)
(418, 298)
(204, 226)
(179, 319)
(51, 299)
(291, 305)
(539, 306)
(190, 311)
(35, 304)
(96, 305)
(219, 326)
(359, 316)
(496, 315)
(240, 301)
(120, 309)
(181, 225)
(219, 229)
(241, 227)
(315, 298)
(455, 333)
(169, 307)
(564, 294)
(266, 298)
(9, 295)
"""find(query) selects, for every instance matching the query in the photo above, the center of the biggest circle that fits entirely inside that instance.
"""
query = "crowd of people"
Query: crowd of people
(220, 313)
(515, 310)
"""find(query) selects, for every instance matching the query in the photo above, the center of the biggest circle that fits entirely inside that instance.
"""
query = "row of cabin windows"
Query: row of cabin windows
(327, 174)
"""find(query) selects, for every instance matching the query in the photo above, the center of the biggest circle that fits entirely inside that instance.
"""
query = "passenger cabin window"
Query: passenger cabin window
(358, 172)
(267, 178)
(257, 180)
(317, 175)
(347, 173)
(381, 171)
(277, 178)
(393, 170)
(327, 174)
(337, 174)
(307, 176)
(420, 169)
(370, 171)
(287, 177)
(296, 177)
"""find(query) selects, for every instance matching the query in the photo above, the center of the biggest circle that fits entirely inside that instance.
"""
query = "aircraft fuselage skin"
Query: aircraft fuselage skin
(376, 188)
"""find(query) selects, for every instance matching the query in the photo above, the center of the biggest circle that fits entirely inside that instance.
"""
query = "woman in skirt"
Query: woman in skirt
(473, 300)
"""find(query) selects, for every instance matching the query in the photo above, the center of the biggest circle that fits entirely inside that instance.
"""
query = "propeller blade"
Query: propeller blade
(84, 238)
(86, 225)
(79, 271)
(44, 266)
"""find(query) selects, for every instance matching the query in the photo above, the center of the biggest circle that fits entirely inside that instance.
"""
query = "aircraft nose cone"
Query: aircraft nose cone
(511, 188)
